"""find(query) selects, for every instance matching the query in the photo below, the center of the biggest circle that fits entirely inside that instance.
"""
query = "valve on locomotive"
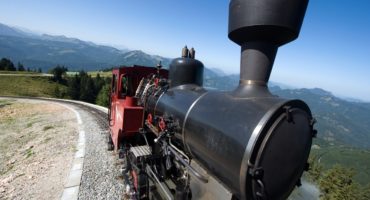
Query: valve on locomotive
(242, 144)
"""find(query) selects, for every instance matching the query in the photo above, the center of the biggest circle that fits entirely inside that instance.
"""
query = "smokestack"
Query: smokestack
(260, 27)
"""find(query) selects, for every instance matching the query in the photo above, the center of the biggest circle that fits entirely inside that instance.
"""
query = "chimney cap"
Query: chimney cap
(275, 21)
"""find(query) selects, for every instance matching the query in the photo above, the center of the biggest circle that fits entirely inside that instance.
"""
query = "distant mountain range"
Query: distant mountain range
(46, 51)
(340, 122)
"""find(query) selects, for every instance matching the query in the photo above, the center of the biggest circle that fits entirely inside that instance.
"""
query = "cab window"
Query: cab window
(124, 85)
(114, 83)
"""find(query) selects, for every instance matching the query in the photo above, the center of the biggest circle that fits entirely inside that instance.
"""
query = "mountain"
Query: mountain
(226, 83)
(219, 72)
(338, 121)
(138, 57)
(230, 82)
(47, 51)
(11, 31)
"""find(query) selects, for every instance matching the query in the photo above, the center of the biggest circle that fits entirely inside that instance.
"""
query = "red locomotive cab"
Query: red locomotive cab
(126, 117)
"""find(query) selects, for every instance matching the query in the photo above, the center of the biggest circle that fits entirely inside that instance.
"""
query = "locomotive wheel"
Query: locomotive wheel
(110, 145)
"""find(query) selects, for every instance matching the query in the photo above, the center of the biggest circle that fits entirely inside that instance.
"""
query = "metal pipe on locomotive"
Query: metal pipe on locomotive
(180, 141)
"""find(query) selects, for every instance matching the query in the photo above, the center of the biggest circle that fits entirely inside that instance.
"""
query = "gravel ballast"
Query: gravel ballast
(101, 175)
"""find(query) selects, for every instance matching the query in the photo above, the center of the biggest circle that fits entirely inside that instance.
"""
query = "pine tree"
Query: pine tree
(20, 67)
(58, 73)
(337, 183)
(87, 88)
(7, 65)
(99, 83)
(365, 192)
(103, 96)
(57, 92)
(2, 64)
(315, 171)
(74, 87)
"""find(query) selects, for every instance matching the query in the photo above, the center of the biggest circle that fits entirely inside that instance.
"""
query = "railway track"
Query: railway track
(100, 116)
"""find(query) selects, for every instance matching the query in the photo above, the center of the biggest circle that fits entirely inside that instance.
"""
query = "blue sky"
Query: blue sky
(332, 51)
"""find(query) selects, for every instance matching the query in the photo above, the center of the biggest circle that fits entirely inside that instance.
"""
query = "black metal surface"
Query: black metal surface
(235, 131)
(285, 148)
(275, 21)
(252, 90)
(217, 136)
(187, 165)
(186, 71)
(218, 139)
(176, 102)
(257, 59)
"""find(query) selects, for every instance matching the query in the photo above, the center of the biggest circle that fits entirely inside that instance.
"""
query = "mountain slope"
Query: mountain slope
(138, 57)
(338, 121)
(45, 52)
(10, 31)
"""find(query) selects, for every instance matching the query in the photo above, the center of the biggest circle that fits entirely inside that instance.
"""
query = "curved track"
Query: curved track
(101, 117)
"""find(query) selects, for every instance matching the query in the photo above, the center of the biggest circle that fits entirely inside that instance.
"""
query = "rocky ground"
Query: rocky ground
(37, 144)
(101, 175)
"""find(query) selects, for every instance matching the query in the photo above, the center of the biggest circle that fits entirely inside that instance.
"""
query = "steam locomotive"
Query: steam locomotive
(180, 141)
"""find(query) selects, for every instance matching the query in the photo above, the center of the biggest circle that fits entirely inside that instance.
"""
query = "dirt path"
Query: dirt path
(37, 144)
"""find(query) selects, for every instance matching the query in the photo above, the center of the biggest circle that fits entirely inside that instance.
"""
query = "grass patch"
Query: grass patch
(28, 86)
(47, 128)
(29, 124)
(29, 152)
(19, 175)
(74, 148)
(8, 120)
(101, 74)
(6, 102)
(17, 72)
(47, 140)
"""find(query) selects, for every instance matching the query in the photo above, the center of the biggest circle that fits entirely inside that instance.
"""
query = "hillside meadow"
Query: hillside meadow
(36, 86)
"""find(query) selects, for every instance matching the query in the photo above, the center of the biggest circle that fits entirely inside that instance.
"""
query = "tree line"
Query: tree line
(81, 86)
(337, 182)
(7, 65)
